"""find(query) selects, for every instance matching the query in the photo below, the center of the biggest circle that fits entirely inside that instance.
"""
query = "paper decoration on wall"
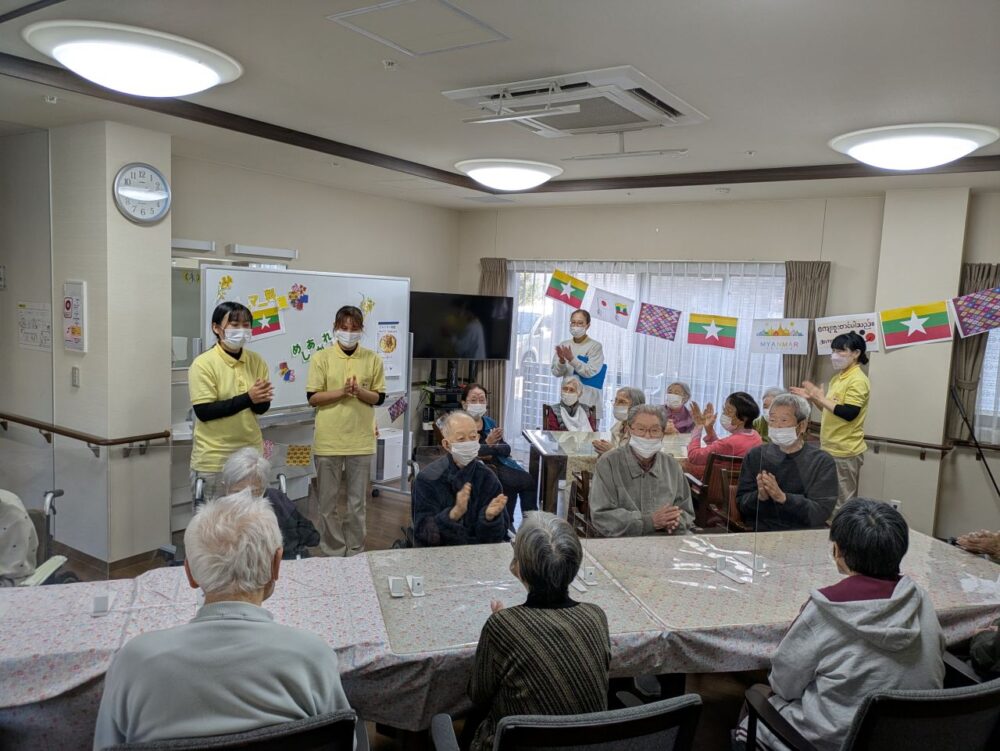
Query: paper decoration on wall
(917, 324)
(714, 331)
(567, 289)
(367, 304)
(611, 307)
(298, 455)
(297, 296)
(191, 277)
(398, 407)
(268, 448)
(387, 336)
(267, 322)
(977, 313)
(287, 374)
(282, 302)
(865, 325)
(655, 320)
(780, 336)
(225, 284)
(270, 294)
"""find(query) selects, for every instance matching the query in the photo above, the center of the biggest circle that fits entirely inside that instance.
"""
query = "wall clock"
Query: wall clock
(141, 193)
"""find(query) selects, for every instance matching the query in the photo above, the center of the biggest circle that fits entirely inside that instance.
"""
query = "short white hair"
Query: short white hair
(446, 421)
(572, 380)
(799, 404)
(245, 464)
(772, 392)
(230, 544)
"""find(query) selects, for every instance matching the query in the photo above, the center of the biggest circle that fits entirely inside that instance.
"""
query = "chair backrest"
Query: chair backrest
(547, 416)
(424, 455)
(664, 726)
(965, 718)
(728, 508)
(328, 732)
(579, 505)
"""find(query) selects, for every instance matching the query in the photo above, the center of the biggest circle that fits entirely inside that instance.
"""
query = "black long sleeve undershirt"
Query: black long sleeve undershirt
(227, 407)
(847, 411)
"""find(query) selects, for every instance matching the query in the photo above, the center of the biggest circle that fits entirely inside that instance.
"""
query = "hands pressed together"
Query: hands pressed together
(667, 518)
(261, 391)
(768, 488)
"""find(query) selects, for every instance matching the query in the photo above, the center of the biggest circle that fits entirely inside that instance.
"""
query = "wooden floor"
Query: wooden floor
(722, 693)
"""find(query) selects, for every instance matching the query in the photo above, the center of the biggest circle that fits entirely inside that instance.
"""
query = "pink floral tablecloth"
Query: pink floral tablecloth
(402, 660)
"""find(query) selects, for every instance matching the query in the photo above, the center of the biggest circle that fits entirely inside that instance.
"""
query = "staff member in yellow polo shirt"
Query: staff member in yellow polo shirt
(346, 383)
(229, 386)
(845, 407)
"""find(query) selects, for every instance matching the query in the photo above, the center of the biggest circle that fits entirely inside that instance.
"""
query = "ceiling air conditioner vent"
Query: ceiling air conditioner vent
(611, 100)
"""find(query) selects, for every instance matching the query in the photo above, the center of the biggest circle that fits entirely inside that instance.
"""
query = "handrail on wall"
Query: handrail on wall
(93, 442)
(876, 439)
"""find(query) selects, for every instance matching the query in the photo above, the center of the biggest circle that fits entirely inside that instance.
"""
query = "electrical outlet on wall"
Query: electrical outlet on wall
(895, 504)
(74, 376)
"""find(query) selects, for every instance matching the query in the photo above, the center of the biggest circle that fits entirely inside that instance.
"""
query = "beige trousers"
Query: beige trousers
(342, 533)
(848, 474)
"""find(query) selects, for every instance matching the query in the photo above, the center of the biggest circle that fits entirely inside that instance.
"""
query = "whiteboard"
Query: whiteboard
(299, 308)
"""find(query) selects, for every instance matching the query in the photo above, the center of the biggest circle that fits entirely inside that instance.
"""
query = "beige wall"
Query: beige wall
(333, 230)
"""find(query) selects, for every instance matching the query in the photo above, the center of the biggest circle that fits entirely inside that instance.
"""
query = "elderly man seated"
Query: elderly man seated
(247, 469)
(232, 668)
(787, 483)
(457, 500)
(625, 398)
(637, 489)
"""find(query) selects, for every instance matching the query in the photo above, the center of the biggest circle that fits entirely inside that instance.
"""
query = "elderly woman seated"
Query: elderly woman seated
(549, 656)
(760, 424)
(787, 483)
(569, 414)
(625, 398)
(678, 416)
(738, 414)
(246, 469)
(232, 668)
(637, 489)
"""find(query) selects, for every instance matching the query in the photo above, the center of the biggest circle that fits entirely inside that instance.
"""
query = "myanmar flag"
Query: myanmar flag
(715, 331)
(917, 324)
(266, 321)
(566, 288)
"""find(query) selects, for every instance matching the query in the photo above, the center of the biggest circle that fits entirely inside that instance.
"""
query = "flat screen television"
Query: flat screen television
(460, 327)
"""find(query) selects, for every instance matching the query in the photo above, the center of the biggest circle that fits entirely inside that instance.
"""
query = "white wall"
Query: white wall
(26, 375)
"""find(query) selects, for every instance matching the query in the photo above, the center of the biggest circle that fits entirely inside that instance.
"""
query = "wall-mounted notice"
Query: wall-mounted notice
(34, 325)
(75, 316)
(390, 348)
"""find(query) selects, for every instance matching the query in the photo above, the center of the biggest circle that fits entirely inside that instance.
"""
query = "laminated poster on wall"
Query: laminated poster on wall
(780, 336)
(389, 347)
(977, 313)
(611, 307)
(864, 325)
(34, 326)
(658, 321)
(916, 324)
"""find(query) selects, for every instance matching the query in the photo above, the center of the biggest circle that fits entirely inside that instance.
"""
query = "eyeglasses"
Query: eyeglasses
(656, 432)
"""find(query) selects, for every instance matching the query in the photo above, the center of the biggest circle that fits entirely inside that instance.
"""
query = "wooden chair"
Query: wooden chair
(578, 507)
(714, 490)
(549, 417)
(728, 510)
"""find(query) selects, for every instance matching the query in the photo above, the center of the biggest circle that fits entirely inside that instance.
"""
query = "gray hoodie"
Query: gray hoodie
(843, 647)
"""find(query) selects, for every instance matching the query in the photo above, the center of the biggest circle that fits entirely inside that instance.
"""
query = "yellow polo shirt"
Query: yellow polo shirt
(839, 437)
(214, 376)
(346, 427)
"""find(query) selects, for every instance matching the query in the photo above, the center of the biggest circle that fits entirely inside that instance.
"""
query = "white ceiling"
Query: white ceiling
(775, 77)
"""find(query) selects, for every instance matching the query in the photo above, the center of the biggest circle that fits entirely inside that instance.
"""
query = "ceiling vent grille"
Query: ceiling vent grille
(611, 100)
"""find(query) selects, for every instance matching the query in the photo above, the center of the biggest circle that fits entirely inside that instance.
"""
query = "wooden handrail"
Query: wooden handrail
(983, 446)
(93, 442)
(877, 439)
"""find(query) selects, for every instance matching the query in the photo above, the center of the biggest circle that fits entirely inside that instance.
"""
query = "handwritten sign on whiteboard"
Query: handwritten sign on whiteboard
(34, 326)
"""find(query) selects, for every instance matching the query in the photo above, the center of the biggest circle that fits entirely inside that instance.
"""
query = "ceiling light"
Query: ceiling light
(133, 60)
(911, 147)
(508, 174)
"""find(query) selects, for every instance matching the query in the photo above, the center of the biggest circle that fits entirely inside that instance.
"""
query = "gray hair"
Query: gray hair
(444, 424)
(247, 464)
(771, 392)
(635, 396)
(548, 554)
(799, 405)
(572, 379)
(230, 544)
(684, 387)
(648, 409)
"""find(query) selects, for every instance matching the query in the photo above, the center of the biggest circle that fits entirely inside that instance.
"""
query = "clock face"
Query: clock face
(141, 193)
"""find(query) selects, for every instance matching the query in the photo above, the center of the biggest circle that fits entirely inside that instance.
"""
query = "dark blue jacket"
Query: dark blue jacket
(434, 492)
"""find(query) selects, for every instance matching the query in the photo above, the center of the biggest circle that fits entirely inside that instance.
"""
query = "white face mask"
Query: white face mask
(347, 338)
(839, 361)
(464, 452)
(236, 338)
(569, 399)
(783, 436)
(476, 410)
(674, 401)
(645, 447)
(726, 422)
(621, 413)
(577, 331)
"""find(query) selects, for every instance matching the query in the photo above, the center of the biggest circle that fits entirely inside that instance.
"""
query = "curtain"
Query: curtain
(806, 287)
(493, 373)
(967, 354)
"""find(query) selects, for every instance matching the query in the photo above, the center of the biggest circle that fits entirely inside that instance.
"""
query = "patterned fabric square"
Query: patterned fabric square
(655, 320)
